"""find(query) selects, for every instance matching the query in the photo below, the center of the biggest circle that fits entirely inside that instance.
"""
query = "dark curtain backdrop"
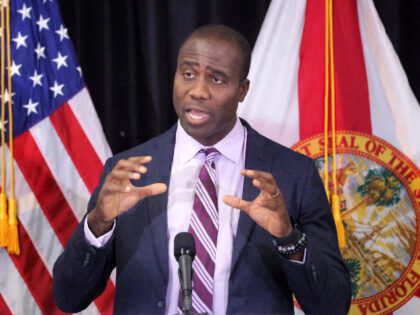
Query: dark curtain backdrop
(127, 50)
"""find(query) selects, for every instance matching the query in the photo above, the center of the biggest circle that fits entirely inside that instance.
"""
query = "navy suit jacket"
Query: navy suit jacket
(261, 281)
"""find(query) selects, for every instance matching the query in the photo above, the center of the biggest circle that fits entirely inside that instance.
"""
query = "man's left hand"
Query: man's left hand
(268, 210)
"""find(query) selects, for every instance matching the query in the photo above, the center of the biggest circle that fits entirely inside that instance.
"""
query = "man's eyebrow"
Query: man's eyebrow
(189, 63)
(212, 69)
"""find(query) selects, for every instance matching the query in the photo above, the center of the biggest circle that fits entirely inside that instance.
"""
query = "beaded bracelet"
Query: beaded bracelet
(293, 248)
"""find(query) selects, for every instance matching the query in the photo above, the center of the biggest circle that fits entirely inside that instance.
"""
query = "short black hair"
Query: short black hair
(224, 33)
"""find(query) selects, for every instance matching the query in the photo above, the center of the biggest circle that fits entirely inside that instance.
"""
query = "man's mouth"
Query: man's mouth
(197, 114)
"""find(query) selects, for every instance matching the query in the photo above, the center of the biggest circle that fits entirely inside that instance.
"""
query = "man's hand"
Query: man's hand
(268, 210)
(118, 195)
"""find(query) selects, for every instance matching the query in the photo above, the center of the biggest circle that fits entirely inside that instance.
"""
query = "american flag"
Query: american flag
(59, 151)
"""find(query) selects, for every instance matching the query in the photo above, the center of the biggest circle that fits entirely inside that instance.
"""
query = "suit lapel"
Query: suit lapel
(157, 205)
(256, 158)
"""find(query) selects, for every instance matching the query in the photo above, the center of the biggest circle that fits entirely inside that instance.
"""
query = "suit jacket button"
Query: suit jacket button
(314, 272)
(86, 261)
(161, 304)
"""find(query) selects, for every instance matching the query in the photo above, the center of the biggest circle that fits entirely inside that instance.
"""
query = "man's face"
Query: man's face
(207, 89)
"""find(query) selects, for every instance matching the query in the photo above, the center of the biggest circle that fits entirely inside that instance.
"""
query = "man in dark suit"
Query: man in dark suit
(141, 203)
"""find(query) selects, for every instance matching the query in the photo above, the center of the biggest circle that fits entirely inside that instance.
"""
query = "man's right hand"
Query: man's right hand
(118, 194)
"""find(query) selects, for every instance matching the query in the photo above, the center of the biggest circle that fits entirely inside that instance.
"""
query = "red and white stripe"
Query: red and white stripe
(57, 165)
(287, 80)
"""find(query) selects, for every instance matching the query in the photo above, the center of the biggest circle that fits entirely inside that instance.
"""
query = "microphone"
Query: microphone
(184, 250)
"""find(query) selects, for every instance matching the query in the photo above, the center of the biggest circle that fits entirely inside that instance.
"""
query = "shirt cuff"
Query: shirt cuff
(303, 260)
(97, 241)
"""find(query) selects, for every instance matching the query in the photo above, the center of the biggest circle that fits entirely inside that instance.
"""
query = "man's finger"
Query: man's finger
(140, 159)
(268, 188)
(131, 165)
(236, 202)
(260, 175)
(151, 190)
(115, 188)
(123, 174)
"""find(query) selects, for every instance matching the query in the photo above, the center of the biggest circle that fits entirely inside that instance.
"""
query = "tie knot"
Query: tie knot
(210, 154)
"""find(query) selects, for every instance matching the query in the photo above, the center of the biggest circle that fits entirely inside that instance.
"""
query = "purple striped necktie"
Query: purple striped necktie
(204, 227)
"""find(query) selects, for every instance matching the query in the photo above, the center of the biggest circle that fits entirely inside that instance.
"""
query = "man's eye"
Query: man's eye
(188, 75)
(216, 80)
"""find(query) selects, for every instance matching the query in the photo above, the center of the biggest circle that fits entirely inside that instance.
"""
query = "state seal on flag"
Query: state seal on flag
(379, 191)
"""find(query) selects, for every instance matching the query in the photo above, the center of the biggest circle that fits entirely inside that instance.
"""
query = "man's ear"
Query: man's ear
(244, 86)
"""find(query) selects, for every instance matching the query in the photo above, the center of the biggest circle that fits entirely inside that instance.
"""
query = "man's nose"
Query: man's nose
(200, 89)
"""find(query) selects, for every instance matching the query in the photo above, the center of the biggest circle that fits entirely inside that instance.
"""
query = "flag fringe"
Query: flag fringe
(4, 224)
(338, 222)
(13, 246)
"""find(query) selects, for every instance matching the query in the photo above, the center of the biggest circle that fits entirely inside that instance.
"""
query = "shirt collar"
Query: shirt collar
(230, 146)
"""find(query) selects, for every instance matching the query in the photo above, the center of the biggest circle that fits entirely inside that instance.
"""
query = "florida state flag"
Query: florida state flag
(326, 82)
